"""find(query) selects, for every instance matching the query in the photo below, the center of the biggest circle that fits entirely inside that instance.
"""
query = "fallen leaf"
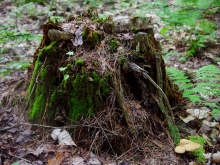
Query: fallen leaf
(77, 161)
(63, 137)
(57, 161)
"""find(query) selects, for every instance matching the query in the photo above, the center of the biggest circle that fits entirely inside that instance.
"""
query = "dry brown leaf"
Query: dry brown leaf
(57, 161)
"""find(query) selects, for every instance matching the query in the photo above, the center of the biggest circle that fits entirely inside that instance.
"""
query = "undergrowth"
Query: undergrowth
(13, 38)
(205, 89)
(186, 21)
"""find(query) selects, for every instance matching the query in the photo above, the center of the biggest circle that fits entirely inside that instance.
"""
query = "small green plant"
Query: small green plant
(95, 63)
(56, 19)
(79, 62)
(195, 45)
(101, 19)
(121, 60)
(113, 44)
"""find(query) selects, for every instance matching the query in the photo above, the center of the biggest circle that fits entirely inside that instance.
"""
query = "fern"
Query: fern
(183, 82)
(207, 86)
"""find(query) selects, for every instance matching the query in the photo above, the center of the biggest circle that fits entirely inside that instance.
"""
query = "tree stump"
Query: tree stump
(112, 72)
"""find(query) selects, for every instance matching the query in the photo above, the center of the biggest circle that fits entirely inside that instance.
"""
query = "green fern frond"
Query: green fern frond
(185, 86)
(208, 68)
(188, 92)
(207, 86)
(194, 98)
(216, 114)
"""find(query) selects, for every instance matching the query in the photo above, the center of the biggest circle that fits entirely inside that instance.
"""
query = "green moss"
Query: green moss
(86, 95)
(85, 32)
(133, 29)
(80, 95)
(95, 37)
(113, 44)
(38, 87)
(92, 37)
(104, 87)
(79, 62)
(47, 51)
(56, 99)
(174, 133)
(69, 68)
(39, 102)
(199, 152)
(121, 60)
(96, 77)
(78, 105)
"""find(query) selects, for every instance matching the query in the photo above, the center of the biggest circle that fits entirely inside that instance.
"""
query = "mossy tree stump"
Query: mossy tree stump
(82, 64)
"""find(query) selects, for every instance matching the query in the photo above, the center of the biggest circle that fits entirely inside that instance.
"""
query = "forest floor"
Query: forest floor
(19, 139)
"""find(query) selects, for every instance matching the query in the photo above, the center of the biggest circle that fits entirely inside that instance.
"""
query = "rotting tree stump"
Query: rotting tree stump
(109, 71)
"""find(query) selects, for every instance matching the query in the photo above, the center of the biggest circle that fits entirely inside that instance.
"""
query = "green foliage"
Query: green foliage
(10, 34)
(56, 19)
(188, 12)
(92, 2)
(29, 1)
(216, 114)
(101, 19)
(195, 45)
(185, 13)
(206, 86)
(205, 26)
(79, 62)
(199, 152)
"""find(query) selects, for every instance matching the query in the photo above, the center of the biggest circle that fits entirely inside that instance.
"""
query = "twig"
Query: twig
(51, 127)
(96, 135)
(14, 156)
(105, 135)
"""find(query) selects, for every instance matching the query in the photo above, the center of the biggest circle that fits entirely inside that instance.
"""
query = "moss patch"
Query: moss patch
(199, 152)
(87, 94)
(174, 133)
(79, 62)
(80, 95)
(38, 104)
(38, 88)
(113, 44)
(85, 32)
(92, 37)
